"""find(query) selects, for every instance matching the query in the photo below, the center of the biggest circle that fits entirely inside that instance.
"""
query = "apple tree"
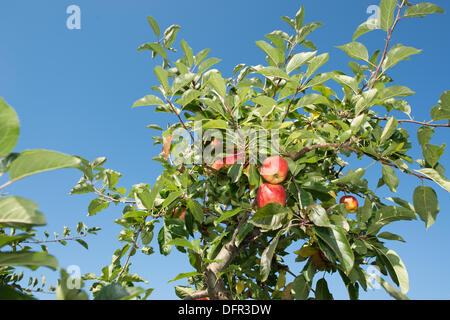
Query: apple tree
(205, 199)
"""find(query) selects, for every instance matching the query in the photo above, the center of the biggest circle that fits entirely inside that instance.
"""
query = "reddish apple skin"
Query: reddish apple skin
(178, 213)
(274, 169)
(227, 161)
(271, 193)
(351, 204)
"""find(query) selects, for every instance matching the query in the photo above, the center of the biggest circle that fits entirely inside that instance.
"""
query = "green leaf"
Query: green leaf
(389, 129)
(390, 289)
(275, 54)
(180, 242)
(97, 205)
(9, 128)
(149, 100)
(163, 77)
(269, 210)
(322, 291)
(432, 153)
(390, 236)
(196, 210)
(208, 63)
(185, 275)
(174, 195)
(36, 161)
(164, 237)
(424, 134)
(298, 60)
(115, 291)
(440, 113)
(299, 16)
(436, 177)
(9, 293)
(183, 291)
(264, 101)
(154, 25)
(306, 30)
(366, 26)
(442, 110)
(189, 54)
(154, 127)
(235, 172)
(351, 177)
(355, 50)
(366, 100)
(267, 256)
(397, 54)
(227, 215)
(426, 204)
(218, 83)
(189, 95)
(300, 288)
(421, 10)
(346, 81)
(181, 81)
(395, 267)
(19, 212)
(31, 260)
(395, 91)
(273, 72)
(154, 46)
(390, 178)
(318, 215)
(315, 63)
(365, 212)
(170, 35)
(387, 8)
(336, 240)
(389, 214)
(215, 124)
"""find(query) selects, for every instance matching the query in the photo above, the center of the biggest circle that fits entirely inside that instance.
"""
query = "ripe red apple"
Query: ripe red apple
(274, 169)
(205, 298)
(351, 204)
(227, 161)
(271, 193)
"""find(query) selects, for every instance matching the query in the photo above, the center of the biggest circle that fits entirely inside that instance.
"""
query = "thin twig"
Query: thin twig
(57, 240)
(179, 118)
(388, 40)
(416, 122)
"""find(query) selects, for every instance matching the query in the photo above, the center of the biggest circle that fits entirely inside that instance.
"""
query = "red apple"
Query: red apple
(274, 169)
(205, 298)
(271, 193)
(227, 161)
(351, 204)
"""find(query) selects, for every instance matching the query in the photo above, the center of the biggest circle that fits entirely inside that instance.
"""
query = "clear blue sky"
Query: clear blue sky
(73, 91)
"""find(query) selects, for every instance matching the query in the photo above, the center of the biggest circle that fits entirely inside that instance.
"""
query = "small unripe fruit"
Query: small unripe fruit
(271, 193)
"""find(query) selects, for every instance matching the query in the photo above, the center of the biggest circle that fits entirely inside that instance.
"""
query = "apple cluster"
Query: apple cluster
(274, 170)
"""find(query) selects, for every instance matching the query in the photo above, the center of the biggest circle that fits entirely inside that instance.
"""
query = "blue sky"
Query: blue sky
(73, 91)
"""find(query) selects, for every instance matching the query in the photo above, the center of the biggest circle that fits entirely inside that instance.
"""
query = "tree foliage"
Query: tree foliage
(287, 107)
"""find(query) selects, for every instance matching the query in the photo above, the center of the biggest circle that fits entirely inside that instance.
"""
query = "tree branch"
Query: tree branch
(374, 76)
(416, 122)
(346, 145)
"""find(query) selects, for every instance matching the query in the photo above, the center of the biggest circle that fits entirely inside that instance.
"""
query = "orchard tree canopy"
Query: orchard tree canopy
(208, 196)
